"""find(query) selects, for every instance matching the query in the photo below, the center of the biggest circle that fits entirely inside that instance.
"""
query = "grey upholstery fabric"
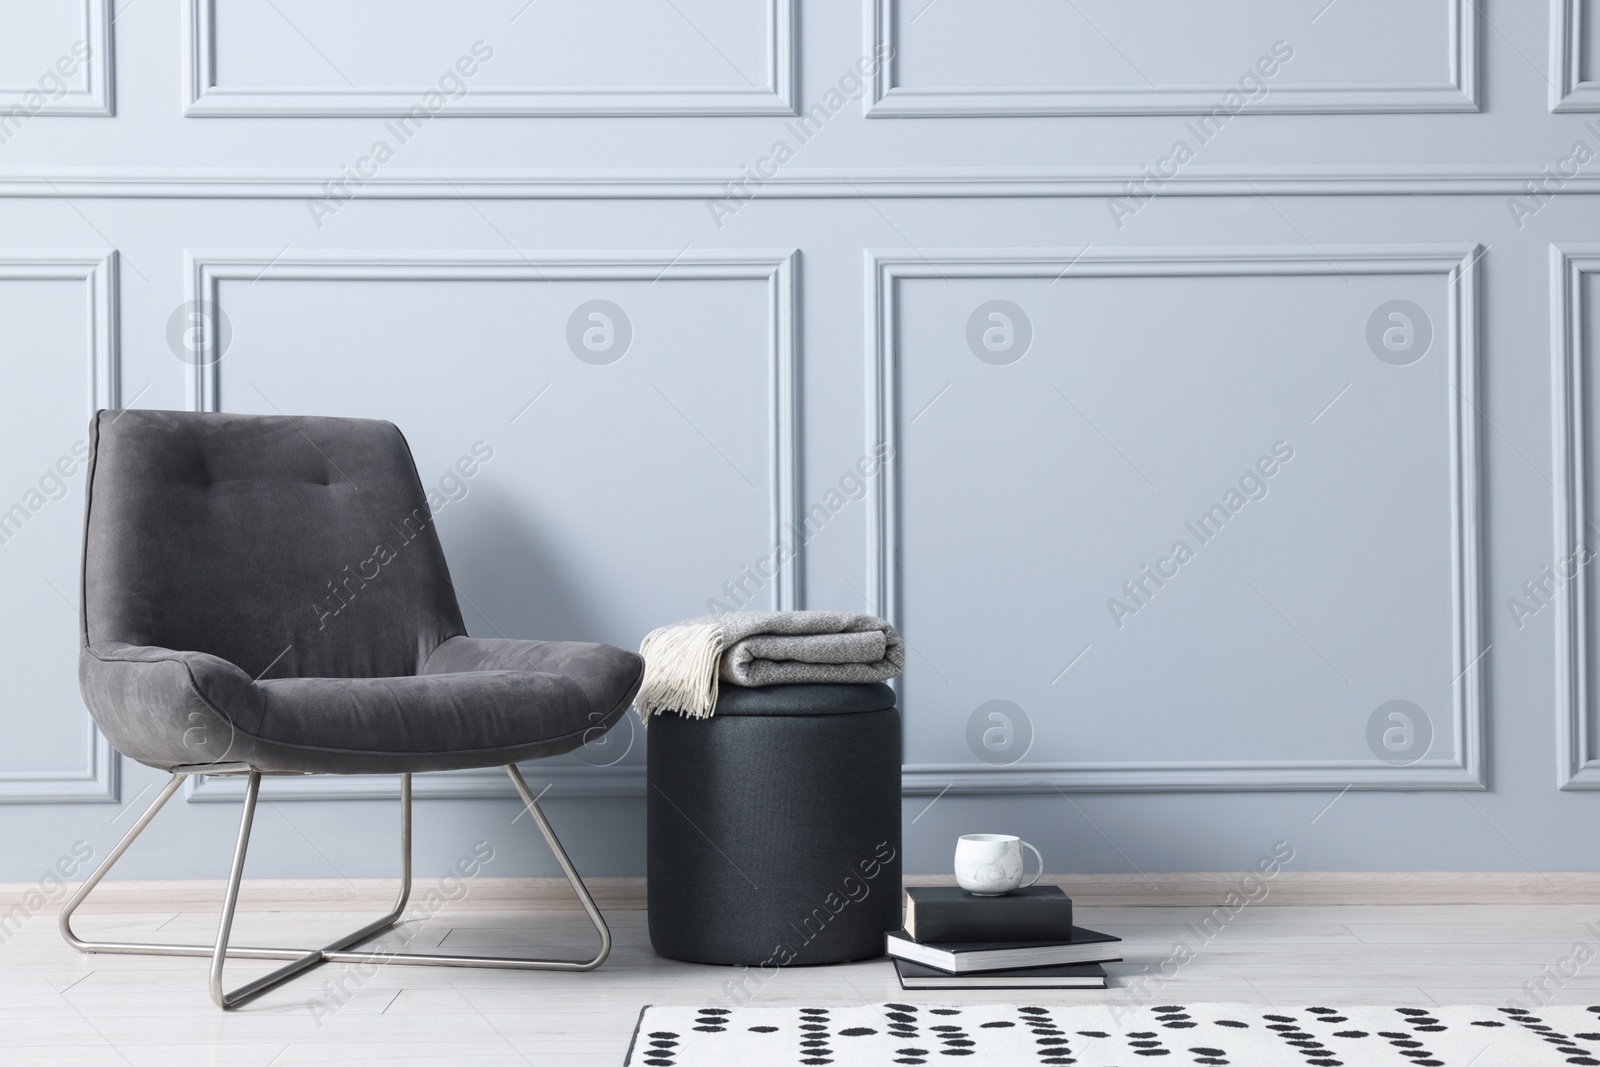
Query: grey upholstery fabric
(271, 590)
(605, 675)
(260, 540)
(774, 837)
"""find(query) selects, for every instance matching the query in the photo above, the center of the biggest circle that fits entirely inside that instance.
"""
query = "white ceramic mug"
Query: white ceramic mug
(990, 865)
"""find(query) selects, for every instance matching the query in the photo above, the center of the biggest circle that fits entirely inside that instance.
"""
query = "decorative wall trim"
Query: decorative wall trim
(886, 99)
(1568, 92)
(820, 184)
(98, 780)
(204, 270)
(95, 96)
(1466, 770)
(1576, 768)
(203, 97)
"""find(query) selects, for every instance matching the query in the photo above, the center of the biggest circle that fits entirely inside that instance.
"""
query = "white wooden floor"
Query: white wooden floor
(60, 1007)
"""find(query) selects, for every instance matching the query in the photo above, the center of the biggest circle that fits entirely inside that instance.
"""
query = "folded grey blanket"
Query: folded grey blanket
(684, 662)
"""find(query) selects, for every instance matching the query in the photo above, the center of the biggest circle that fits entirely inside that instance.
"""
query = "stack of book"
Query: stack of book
(1023, 940)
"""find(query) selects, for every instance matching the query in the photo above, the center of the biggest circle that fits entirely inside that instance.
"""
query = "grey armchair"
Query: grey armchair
(267, 595)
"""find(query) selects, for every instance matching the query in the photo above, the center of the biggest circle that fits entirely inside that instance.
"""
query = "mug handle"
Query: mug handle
(1040, 872)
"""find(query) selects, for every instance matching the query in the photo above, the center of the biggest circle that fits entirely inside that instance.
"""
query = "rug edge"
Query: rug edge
(634, 1040)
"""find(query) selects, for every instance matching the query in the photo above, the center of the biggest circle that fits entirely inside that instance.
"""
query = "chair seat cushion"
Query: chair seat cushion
(423, 714)
(476, 703)
(450, 718)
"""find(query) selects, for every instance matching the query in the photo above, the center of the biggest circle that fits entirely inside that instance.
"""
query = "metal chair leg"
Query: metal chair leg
(230, 901)
(71, 906)
(313, 957)
(234, 951)
(600, 927)
(302, 960)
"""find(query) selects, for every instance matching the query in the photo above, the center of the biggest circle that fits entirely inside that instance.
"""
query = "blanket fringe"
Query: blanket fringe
(680, 671)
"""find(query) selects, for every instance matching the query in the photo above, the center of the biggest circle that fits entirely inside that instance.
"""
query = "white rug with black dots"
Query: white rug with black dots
(1216, 1035)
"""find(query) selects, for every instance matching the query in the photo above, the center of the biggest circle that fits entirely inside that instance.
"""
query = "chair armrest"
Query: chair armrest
(168, 708)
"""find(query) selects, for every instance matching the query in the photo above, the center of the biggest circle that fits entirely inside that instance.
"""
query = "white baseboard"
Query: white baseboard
(1155, 889)
(1207, 888)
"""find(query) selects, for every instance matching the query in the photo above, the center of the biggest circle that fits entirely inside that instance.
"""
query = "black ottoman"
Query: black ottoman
(774, 826)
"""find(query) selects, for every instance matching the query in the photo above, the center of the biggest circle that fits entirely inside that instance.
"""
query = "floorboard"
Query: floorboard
(60, 1007)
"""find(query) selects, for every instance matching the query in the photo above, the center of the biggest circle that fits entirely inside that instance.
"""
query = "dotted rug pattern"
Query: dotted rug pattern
(1214, 1035)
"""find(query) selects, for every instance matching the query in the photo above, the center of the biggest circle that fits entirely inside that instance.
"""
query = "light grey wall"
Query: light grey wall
(1187, 293)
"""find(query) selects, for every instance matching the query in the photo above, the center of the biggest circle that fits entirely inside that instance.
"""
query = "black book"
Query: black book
(1072, 976)
(950, 913)
(967, 957)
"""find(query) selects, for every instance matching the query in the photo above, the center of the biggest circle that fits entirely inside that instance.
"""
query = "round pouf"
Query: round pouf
(774, 826)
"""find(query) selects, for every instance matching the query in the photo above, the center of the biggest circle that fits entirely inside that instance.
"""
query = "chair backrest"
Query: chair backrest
(291, 547)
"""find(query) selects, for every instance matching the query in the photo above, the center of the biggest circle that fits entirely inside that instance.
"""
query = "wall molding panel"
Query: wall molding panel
(1568, 91)
(95, 96)
(204, 271)
(203, 97)
(819, 184)
(884, 268)
(807, 258)
(98, 780)
(885, 99)
(1577, 768)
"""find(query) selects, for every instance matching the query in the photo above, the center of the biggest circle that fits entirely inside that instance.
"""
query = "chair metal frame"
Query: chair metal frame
(342, 950)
